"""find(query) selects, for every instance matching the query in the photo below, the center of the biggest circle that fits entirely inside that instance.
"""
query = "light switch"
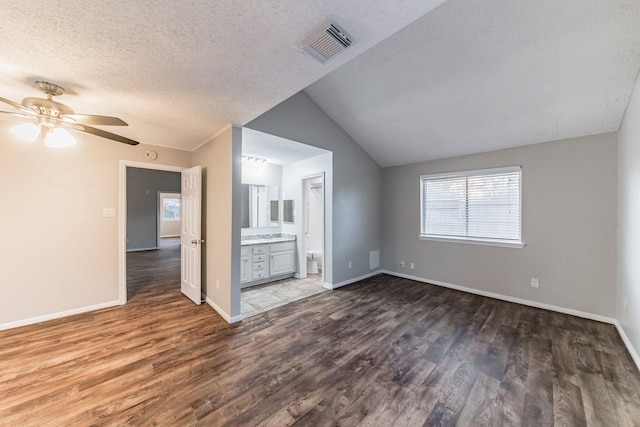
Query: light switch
(107, 212)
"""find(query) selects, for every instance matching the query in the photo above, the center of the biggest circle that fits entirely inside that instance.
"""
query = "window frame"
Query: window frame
(162, 209)
(508, 243)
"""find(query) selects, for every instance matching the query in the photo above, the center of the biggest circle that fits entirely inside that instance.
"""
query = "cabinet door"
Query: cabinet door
(244, 271)
(281, 263)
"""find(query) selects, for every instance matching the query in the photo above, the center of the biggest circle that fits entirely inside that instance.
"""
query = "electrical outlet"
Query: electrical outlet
(350, 264)
(535, 283)
(401, 263)
(217, 284)
(412, 266)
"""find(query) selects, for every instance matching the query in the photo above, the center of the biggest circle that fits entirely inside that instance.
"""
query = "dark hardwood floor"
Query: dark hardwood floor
(383, 352)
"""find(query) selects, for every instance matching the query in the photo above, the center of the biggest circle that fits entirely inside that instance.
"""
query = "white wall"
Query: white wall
(629, 223)
(59, 253)
(293, 174)
(569, 227)
(357, 180)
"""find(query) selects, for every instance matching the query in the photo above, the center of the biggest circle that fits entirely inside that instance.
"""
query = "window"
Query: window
(481, 206)
(171, 209)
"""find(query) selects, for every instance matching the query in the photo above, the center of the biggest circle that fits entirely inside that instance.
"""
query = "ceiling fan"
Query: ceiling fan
(49, 118)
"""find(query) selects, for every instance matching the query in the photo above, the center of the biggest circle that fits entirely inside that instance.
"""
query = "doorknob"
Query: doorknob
(196, 241)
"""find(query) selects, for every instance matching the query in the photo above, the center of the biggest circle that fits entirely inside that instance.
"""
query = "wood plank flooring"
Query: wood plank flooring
(382, 352)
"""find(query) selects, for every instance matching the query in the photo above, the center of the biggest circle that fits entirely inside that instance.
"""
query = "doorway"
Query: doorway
(138, 233)
(313, 202)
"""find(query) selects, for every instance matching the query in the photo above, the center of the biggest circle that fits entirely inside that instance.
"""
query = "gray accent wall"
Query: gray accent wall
(568, 226)
(357, 180)
(629, 223)
(143, 186)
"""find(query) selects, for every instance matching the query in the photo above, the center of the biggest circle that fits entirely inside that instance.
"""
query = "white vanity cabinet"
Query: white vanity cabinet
(282, 260)
(244, 267)
(266, 262)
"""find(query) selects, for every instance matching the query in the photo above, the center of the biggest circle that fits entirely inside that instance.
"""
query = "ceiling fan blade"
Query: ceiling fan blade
(102, 133)
(90, 119)
(8, 115)
(26, 116)
(18, 106)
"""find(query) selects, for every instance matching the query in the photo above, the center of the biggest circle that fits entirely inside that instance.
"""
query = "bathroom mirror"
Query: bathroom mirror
(260, 206)
(287, 211)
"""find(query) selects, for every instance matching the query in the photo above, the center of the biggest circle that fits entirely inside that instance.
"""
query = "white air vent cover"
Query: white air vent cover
(326, 41)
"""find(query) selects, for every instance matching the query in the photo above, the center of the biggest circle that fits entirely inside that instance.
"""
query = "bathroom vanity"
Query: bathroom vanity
(267, 258)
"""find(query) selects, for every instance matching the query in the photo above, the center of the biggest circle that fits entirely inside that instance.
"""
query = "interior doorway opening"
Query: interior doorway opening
(313, 220)
(140, 186)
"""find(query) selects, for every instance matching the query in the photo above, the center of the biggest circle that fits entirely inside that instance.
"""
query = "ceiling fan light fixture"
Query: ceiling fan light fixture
(59, 138)
(26, 131)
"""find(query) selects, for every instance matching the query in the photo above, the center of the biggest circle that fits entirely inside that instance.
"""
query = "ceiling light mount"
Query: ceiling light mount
(51, 89)
(254, 159)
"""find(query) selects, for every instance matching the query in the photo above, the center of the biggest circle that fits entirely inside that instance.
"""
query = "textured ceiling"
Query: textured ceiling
(180, 71)
(477, 76)
(276, 150)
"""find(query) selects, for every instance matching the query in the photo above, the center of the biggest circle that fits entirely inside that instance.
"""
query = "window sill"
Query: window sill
(484, 242)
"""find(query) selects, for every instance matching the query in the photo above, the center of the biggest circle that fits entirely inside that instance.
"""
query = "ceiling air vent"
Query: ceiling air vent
(326, 41)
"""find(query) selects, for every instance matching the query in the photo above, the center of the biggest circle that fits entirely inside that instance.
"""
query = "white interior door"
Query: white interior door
(191, 234)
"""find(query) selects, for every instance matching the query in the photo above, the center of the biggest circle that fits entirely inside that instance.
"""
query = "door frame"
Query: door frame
(304, 214)
(122, 218)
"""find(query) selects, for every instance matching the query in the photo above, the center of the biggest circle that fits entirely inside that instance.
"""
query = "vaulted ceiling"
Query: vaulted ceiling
(477, 76)
(424, 80)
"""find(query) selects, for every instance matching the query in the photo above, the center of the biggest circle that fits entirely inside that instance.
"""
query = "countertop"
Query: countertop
(259, 239)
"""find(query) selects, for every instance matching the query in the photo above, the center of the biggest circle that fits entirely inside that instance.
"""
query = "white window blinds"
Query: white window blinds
(482, 205)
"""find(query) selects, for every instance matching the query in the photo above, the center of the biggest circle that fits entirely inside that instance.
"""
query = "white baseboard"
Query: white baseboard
(327, 285)
(627, 343)
(223, 313)
(154, 248)
(44, 318)
(508, 298)
(350, 281)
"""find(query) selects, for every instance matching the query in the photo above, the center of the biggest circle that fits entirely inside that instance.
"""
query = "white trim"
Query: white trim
(154, 248)
(474, 172)
(508, 298)
(223, 313)
(625, 339)
(122, 218)
(327, 286)
(350, 281)
(46, 317)
(208, 140)
(472, 241)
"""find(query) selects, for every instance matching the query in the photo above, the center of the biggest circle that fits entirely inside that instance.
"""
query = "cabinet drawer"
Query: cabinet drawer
(259, 258)
(280, 247)
(259, 266)
(259, 274)
(259, 250)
